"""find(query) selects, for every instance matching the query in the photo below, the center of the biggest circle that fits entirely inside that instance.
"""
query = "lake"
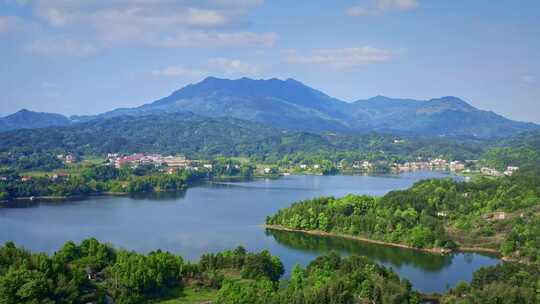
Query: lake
(219, 216)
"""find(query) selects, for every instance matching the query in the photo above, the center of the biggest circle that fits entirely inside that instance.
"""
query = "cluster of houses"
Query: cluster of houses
(306, 167)
(173, 162)
(493, 172)
(26, 178)
(362, 165)
(367, 166)
(68, 158)
(420, 165)
(433, 164)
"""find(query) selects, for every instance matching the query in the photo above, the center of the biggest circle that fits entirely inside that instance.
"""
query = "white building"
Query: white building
(510, 170)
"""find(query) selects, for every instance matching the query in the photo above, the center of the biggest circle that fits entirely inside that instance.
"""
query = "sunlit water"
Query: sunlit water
(215, 217)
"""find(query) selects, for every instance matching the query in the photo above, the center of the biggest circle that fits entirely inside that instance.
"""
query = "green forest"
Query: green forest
(489, 213)
(102, 178)
(95, 179)
(93, 272)
(206, 138)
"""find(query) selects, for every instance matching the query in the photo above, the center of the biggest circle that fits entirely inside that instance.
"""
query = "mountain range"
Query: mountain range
(290, 104)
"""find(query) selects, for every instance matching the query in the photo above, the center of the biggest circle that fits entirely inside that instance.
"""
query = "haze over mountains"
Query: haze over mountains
(289, 104)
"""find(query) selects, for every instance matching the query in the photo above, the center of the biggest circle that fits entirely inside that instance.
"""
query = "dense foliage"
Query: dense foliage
(92, 271)
(498, 213)
(504, 283)
(327, 279)
(207, 138)
(95, 179)
(31, 161)
(522, 150)
(366, 216)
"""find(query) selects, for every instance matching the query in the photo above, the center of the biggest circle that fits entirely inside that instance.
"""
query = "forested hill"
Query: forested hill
(500, 214)
(201, 137)
(522, 149)
(292, 105)
(25, 119)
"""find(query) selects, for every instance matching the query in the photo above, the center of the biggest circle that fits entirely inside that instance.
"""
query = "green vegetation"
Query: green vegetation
(249, 143)
(92, 271)
(522, 150)
(191, 295)
(94, 179)
(31, 161)
(504, 283)
(500, 214)
(97, 177)
(207, 138)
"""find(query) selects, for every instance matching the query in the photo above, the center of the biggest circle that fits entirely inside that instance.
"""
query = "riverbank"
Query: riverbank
(358, 238)
(480, 249)
(60, 198)
(373, 241)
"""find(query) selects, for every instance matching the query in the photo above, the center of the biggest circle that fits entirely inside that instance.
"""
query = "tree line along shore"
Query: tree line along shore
(94, 272)
(498, 215)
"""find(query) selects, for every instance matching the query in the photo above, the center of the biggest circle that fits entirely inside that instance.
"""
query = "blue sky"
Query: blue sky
(85, 57)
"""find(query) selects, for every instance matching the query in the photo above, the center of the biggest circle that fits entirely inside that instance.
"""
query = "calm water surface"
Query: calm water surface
(215, 217)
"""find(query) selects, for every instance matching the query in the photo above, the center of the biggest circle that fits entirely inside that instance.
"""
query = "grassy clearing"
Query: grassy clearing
(191, 295)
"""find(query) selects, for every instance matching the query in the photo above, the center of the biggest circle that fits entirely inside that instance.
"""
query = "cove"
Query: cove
(213, 217)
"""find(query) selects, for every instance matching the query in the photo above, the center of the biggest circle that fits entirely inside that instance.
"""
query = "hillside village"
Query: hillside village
(172, 163)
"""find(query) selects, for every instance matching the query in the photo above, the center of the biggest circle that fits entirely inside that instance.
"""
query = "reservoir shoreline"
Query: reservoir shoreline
(440, 251)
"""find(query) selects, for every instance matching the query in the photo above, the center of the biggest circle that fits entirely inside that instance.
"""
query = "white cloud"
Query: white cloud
(340, 58)
(156, 23)
(203, 18)
(379, 7)
(213, 66)
(205, 13)
(233, 66)
(179, 71)
(215, 39)
(61, 46)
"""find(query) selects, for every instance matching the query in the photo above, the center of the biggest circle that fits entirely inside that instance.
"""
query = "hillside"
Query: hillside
(204, 137)
(286, 104)
(449, 116)
(25, 119)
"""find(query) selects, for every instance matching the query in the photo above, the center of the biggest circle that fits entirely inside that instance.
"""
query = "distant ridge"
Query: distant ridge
(26, 119)
(290, 104)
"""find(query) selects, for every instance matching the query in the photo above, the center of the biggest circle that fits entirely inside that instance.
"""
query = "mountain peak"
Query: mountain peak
(21, 112)
(452, 102)
(289, 89)
(379, 98)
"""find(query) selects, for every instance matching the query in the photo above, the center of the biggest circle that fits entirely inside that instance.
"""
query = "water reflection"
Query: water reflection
(220, 216)
(428, 272)
(394, 256)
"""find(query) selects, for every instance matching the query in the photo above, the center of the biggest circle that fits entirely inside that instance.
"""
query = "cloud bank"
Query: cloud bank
(379, 7)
